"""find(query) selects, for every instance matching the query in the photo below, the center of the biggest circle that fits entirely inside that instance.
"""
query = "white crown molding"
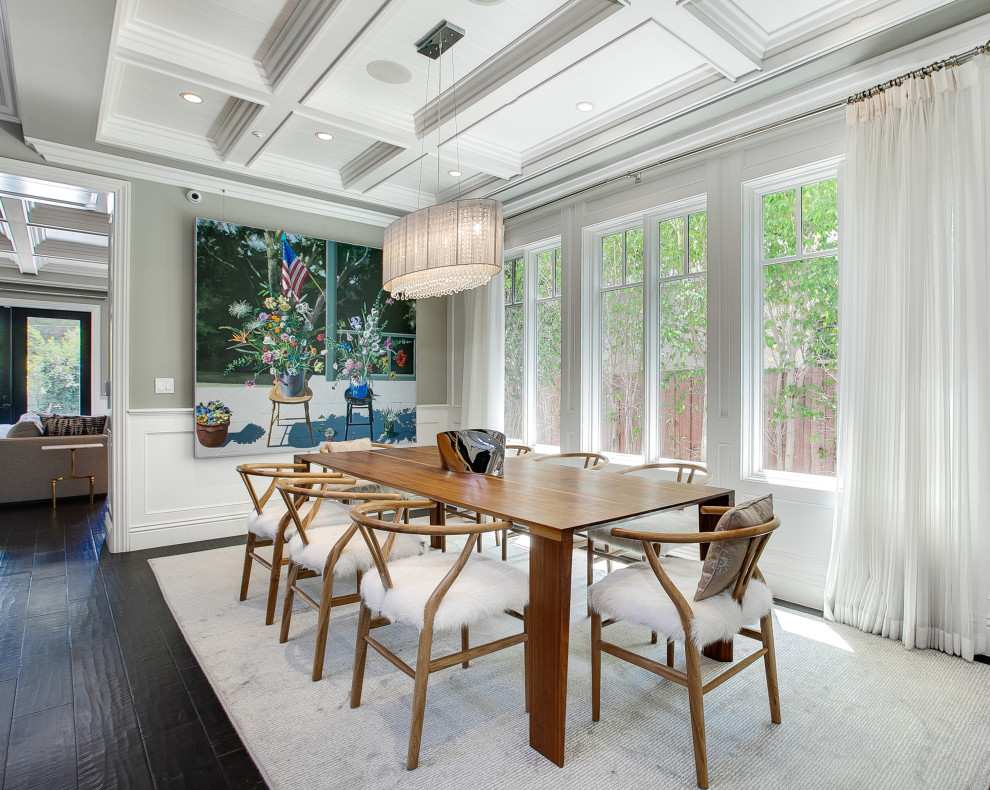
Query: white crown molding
(293, 172)
(89, 159)
(150, 41)
(145, 138)
(824, 21)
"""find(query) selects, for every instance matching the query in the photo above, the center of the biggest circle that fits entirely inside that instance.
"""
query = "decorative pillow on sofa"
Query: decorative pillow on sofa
(76, 425)
(724, 560)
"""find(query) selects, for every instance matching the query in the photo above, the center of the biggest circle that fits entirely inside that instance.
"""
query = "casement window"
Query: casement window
(651, 351)
(793, 365)
(532, 346)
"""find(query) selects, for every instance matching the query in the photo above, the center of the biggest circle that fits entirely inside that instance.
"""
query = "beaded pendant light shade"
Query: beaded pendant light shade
(451, 247)
(443, 249)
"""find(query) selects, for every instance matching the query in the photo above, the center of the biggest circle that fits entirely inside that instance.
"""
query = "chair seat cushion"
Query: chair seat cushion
(677, 521)
(265, 525)
(355, 556)
(634, 594)
(484, 589)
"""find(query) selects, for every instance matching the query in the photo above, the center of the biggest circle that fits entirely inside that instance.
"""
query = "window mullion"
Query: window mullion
(652, 392)
(530, 283)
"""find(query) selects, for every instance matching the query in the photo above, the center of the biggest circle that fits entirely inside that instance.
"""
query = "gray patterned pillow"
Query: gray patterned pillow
(725, 559)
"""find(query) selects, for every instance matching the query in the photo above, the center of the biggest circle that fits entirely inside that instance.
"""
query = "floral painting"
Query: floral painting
(296, 338)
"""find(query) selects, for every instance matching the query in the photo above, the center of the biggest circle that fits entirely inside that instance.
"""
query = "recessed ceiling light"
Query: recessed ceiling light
(455, 173)
(388, 71)
(585, 106)
(486, 2)
(324, 136)
(192, 98)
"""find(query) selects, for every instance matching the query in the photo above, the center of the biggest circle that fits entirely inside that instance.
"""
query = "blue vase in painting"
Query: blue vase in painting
(359, 388)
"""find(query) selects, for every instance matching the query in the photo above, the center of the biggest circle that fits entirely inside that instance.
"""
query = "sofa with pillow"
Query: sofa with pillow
(26, 470)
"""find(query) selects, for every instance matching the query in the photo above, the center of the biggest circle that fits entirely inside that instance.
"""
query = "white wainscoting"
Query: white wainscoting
(177, 498)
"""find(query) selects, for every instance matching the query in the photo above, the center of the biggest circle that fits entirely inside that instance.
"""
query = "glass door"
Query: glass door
(49, 353)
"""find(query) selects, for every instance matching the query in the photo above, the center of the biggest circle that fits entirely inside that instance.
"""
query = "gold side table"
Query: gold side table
(72, 472)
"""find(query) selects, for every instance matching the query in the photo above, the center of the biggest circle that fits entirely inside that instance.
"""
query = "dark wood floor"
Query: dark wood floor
(98, 688)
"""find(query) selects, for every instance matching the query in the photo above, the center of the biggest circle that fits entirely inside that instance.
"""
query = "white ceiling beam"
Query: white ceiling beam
(76, 220)
(20, 237)
(72, 251)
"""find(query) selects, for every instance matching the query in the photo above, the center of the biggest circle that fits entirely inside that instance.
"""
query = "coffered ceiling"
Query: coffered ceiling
(501, 106)
(56, 234)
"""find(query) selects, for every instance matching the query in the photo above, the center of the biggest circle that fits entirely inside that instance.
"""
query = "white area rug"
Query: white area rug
(858, 711)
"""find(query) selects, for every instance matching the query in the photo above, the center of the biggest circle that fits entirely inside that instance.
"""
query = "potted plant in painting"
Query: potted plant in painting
(212, 423)
(279, 338)
(361, 349)
(389, 416)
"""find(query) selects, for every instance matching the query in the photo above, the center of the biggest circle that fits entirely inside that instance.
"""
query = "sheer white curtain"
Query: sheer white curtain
(484, 366)
(911, 554)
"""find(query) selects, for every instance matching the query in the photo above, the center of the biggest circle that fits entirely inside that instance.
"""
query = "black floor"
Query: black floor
(98, 688)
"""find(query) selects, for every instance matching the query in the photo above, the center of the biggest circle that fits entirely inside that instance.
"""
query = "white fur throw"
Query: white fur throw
(265, 525)
(634, 594)
(678, 521)
(355, 556)
(484, 588)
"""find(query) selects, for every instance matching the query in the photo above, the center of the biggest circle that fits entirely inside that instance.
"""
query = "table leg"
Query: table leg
(722, 650)
(53, 491)
(549, 621)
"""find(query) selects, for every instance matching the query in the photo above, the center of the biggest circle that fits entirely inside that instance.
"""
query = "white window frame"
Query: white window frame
(752, 468)
(591, 244)
(530, 254)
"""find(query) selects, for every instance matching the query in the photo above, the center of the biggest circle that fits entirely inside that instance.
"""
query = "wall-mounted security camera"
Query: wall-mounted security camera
(193, 196)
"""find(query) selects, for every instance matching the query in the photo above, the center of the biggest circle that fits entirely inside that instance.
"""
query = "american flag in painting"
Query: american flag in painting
(293, 272)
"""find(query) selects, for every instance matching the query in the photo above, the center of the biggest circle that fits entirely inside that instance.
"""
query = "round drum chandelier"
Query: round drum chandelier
(450, 247)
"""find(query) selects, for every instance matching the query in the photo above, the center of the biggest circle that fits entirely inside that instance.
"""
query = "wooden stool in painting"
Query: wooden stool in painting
(277, 398)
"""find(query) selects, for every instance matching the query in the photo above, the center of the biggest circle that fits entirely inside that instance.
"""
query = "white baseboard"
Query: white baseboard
(169, 533)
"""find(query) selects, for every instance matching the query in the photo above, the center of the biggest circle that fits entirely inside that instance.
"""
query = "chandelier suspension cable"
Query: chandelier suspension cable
(422, 141)
(448, 247)
(457, 141)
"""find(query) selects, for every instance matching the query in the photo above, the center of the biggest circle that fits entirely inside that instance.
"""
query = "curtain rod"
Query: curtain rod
(938, 65)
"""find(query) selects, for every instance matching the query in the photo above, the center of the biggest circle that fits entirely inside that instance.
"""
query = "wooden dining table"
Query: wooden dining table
(552, 502)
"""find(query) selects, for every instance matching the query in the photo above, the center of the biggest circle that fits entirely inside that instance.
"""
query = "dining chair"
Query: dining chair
(519, 450)
(592, 461)
(681, 520)
(270, 524)
(332, 551)
(432, 593)
(697, 602)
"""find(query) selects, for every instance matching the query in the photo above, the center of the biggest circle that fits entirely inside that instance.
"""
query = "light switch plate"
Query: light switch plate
(164, 386)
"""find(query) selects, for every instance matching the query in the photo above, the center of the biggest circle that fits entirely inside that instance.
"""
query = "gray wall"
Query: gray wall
(162, 274)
